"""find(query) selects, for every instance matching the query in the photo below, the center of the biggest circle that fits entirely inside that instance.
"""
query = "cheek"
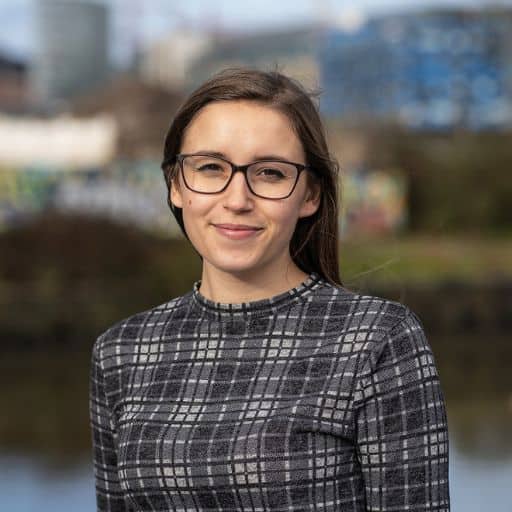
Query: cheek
(193, 207)
(195, 210)
(286, 217)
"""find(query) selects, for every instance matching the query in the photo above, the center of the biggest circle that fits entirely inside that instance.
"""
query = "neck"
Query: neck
(228, 287)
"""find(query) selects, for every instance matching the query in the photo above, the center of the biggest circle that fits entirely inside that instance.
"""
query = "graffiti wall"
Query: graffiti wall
(373, 202)
(127, 192)
(134, 192)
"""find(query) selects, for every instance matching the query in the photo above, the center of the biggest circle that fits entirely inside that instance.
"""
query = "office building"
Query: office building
(430, 70)
(72, 50)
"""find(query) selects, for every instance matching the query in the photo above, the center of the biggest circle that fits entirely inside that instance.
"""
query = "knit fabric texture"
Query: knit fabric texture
(318, 398)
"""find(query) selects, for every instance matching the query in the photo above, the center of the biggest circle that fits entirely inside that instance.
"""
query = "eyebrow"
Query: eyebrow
(220, 154)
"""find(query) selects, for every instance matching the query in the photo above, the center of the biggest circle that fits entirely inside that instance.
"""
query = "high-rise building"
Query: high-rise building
(435, 69)
(72, 50)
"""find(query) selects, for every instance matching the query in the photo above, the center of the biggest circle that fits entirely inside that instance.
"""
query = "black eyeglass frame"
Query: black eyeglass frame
(238, 168)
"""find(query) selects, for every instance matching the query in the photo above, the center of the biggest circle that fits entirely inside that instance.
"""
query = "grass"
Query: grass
(422, 260)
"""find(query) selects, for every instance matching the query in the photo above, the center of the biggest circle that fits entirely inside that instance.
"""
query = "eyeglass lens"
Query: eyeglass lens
(267, 179)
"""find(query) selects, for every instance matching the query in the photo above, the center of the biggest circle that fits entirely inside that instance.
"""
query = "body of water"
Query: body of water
(45, 440)
(29, 486)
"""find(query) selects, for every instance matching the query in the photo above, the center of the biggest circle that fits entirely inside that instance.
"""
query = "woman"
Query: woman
(269, 386)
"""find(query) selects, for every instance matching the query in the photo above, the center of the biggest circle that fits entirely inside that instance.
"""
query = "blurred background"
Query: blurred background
(417, 101)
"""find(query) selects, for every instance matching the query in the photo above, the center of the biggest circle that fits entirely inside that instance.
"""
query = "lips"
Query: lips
(237, 231)
(237, 227)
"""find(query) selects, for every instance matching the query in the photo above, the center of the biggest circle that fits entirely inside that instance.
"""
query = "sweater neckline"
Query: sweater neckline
(245, 310)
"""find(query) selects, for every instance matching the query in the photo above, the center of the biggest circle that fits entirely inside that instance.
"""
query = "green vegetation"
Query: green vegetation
(426, 260)
(458, 183)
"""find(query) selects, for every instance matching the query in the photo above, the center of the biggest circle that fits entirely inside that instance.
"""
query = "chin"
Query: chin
(242, 264)
(241, 267)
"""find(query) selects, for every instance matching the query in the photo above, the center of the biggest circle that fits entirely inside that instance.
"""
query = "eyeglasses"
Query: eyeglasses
(269, 179)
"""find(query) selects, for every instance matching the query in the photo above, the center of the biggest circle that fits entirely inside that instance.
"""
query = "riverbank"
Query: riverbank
(63, 281)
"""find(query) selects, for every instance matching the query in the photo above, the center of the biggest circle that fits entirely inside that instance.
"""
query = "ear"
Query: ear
(175, 193)
(311, 201)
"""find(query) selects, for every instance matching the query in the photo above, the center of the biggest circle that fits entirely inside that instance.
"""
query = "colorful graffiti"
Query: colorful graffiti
(373, 200)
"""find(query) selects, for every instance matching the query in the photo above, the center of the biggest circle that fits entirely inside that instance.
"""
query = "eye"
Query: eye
(209, 167)
(270, 172)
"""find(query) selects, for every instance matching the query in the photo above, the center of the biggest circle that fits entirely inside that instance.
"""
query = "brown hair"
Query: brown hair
(314, 243)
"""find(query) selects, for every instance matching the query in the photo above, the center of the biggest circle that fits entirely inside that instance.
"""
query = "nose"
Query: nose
(237, 195)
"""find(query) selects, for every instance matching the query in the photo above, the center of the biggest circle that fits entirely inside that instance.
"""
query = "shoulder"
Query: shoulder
(357, 312)
(365, 324)
(121, 339)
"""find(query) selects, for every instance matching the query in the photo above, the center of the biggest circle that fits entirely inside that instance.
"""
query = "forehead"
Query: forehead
(242, 127)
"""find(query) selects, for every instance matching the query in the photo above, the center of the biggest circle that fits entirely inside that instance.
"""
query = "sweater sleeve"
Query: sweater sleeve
(109, 495)
(401, 424)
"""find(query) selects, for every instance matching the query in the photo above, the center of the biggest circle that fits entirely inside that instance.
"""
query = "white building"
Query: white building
(167, 61)
(62, 143)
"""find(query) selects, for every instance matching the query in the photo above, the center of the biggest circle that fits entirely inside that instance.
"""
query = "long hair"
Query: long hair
(314, 243)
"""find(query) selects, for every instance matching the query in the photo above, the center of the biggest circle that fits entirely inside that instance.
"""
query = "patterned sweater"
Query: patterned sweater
(318, 398)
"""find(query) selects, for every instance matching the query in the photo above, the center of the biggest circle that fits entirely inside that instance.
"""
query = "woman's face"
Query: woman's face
(243, 131)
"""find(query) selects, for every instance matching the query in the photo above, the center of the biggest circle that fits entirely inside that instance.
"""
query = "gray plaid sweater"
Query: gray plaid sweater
(318, 398)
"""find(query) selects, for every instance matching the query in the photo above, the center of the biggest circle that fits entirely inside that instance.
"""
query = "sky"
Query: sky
(145, 20)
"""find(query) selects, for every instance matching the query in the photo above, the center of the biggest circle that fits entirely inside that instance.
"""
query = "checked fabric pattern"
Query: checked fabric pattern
(315, 399)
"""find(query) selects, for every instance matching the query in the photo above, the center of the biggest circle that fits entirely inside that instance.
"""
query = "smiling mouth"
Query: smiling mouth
(237, 231)
(237, 227)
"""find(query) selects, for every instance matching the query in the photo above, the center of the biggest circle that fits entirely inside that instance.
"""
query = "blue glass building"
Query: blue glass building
(428, 70)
